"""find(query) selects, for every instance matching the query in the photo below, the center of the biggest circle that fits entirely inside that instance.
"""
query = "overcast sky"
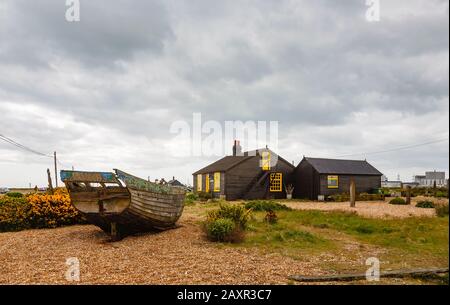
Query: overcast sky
(104, 91)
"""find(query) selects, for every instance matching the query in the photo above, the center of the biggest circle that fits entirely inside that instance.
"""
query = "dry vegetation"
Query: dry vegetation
(375, 209)
(268, 255)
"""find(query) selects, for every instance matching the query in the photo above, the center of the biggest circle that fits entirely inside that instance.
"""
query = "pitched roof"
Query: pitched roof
(229, 162)
(175, 182)
(222, 165)
(338, 166)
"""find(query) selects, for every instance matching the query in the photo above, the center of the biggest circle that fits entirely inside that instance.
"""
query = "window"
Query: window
(199, 183)
(265, 160)
(207, 183)
(276, 182)
(333, 182)
(216, 182)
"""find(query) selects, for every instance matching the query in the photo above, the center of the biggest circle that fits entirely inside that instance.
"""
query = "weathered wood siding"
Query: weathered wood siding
(309, 184)
(239, 177)
(222, 185)
(364, 183)
(211, 184)
(242, 180)
(306, 181)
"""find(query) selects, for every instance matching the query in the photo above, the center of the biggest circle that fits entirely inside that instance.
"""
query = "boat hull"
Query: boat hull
(133, 205)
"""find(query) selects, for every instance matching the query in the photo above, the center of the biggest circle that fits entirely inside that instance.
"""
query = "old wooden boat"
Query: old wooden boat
(122, 204)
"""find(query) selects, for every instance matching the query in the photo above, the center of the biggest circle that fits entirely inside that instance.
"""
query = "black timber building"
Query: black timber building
(315, 177)
(258, 174)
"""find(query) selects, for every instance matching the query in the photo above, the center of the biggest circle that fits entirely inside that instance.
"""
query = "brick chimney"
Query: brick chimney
(237, 149)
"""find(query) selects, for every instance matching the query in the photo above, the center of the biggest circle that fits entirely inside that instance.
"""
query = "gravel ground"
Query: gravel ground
(375, 209)
(179, 256)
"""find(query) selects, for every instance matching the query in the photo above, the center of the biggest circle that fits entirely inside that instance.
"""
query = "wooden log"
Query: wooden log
(362, 276)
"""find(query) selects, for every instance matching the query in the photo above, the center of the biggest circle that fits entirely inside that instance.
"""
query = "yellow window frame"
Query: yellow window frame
(276, 182)
(199, 183)
(217, 182)
(265, 160)
(332, 181)
(207, 183)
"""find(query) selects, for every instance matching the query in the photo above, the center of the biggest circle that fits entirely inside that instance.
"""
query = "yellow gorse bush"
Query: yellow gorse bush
(38, 211)
(14, 214)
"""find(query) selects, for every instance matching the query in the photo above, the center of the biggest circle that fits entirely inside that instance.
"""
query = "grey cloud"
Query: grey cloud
(109, 31)
(121, 76)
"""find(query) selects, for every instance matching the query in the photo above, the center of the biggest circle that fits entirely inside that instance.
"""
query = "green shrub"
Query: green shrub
(441, 210)
(227, 223)
(266, 205)
(14, 195)
(429, 191)
(204, 196)
(271, 217)
(222, 229)
(425, 204)
(190, 198)
(365, 229)
(398, 201)
(441, 194)
(359, 197)
(369, 197)
(239, 214)
(338, 197)
(295, 235)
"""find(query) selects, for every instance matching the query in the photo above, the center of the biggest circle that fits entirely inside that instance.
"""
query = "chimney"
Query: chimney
(237, 149)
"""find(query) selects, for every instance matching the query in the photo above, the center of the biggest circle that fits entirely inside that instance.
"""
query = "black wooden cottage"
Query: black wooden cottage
(314, 177)
(257, 174)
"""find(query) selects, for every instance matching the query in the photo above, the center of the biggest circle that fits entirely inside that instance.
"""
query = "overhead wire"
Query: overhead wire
(395, 149)
(30, 150)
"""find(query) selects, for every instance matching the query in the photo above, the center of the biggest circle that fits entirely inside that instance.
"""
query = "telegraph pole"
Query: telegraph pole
(56, 170)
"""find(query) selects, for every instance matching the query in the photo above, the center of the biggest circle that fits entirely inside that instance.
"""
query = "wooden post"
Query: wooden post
(114, 233)
(56, 170)
(408, 194)
(50, 186)
(352, 193)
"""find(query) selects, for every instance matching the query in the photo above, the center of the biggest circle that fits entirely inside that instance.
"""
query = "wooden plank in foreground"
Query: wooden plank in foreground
(362, 276)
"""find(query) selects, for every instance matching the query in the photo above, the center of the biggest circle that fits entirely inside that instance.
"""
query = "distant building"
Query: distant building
(175, 182)
(385, 182)
(420, 179)
(391, 184)
(430, 179)
(411, 184)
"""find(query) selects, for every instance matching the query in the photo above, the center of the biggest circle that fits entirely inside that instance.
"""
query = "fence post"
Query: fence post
(408, 194)
(50, 186)
(352, 193)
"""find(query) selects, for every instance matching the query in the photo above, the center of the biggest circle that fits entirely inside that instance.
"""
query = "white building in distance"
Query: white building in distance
(430, 178)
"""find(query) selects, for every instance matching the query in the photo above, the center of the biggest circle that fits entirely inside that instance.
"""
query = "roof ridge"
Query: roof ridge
(342, 166)
(365, 160)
